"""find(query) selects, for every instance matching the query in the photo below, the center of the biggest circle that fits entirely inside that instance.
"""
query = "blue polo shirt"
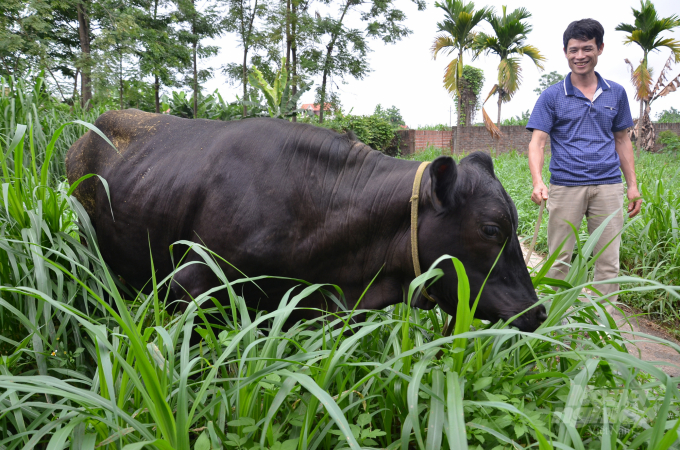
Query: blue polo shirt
(582, 132)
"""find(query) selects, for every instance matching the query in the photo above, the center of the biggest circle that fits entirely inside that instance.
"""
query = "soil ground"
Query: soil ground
(667, 357)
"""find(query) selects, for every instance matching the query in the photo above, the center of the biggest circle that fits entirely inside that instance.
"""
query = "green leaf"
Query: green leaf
(203, 442)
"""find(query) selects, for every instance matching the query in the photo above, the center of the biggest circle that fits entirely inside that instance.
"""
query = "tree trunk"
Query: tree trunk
(455, 142)
(289, 41)
(120, 80)
(194, 47)
(327, 65)
(156, 81)
(500, 103)
(293, 50)
(75, 86)
(195, 82)
(322, 103)
(156, 88)
(85, 74)
(245, 80)
(245, 38)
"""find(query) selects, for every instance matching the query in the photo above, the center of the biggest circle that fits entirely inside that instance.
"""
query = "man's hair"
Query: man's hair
(584, 30)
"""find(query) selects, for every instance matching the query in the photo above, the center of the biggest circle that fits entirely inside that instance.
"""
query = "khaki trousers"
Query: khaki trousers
(596, 202)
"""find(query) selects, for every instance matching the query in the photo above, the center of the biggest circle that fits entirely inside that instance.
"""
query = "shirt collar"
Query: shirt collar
(569, 88)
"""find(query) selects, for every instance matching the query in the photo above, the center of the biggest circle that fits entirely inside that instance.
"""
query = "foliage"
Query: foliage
(341, 51)
(522, 120)
(280, 102)
(392, 115)
(508, 42)
(437, 127)
(88, 363)
(670, 140)
(671, 115)
(374, 131)
(548, 79)
(244, 17)
(456, 35)
(471, 83)
(650, 247)
(646, 32)
(21, 23)
(209, 107)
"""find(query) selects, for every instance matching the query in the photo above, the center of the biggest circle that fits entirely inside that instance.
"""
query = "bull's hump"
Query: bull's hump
(129, 125)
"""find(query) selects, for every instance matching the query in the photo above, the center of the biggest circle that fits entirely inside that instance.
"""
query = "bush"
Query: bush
(373, 131)
(438, 127)
(518, 120)
(669, 116)
(670, 140)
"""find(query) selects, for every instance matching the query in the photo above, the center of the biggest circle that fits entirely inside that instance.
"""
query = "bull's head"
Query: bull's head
(466, 213)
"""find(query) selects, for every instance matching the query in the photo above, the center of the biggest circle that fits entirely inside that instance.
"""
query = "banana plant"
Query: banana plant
(280, 102)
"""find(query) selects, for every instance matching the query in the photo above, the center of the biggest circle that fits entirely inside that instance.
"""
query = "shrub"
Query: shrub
(670, 140)
(373, 131)
(518, 120)
(438, 127)
(669, 116)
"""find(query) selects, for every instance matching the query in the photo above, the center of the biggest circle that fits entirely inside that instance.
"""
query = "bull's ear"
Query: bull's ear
(443, 173)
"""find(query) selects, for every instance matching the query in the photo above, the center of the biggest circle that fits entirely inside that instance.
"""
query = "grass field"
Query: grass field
(650, 243)
(85, 363)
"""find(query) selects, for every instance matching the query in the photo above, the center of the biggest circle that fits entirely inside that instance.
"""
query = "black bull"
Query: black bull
(294, 200)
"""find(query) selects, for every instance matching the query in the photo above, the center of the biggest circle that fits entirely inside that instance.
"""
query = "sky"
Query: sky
(405, 75)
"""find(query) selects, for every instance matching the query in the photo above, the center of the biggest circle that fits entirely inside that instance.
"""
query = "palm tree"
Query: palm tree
(644, 133)
(646, 32)
(456, 35)
(508, 41)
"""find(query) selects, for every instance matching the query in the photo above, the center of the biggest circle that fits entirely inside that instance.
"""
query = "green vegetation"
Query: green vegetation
(374, 130)
(546, 80)
(471, 83)
(85, 362)
(437, 127)
(518, 120)
(456, 35)
(670, 140)
(669, 116)
(647, 33)
(650, 247)
(509, 42)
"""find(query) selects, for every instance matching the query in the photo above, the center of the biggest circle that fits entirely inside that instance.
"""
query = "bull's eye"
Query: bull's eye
(491, 231)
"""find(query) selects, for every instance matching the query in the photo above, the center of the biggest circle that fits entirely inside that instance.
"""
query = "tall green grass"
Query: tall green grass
(650, 245)
(86, 363)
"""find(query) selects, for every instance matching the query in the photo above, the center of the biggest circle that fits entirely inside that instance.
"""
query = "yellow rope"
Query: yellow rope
(414, 224)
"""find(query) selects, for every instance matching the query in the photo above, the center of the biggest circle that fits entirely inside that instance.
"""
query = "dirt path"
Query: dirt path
(645, 349)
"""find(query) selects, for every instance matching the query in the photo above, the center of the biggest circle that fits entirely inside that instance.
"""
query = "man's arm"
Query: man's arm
(625, 150)
(536, 158)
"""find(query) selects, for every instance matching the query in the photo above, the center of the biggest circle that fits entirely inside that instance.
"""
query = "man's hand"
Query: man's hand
(540, 193)
(635, 201)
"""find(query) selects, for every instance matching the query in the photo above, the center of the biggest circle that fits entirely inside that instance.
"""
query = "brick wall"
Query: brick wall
(476, 138)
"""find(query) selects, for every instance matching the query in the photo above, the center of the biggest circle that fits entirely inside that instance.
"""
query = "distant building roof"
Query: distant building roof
(315, 107)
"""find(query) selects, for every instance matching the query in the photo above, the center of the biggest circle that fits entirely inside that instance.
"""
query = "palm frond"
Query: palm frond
(641, 79)
(672, 44)
(451, 76)
(533, 53)
(442, 43)
(628, 28)
(491, 127)
(672, 86)
(509, 78)
(662, 75)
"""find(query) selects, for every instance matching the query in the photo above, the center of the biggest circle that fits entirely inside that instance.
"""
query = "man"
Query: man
(586, 118)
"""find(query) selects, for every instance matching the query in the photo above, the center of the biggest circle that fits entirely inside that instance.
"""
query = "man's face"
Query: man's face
(582, 55)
